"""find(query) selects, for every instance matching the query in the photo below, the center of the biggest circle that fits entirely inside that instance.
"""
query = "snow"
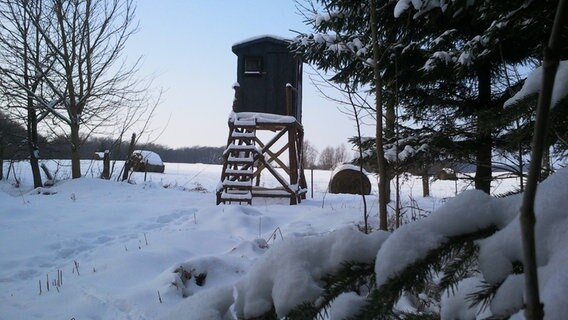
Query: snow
(347, 166)
(131, 241)
(346, 305)
(414, 240)
(323, 17)
(406, 153)
(498, 252)
(260, 37)
(291, 272)
(251, 118)
(150, 157)
(422, 6)
(533, 85)
(474, 210)
(457, 306)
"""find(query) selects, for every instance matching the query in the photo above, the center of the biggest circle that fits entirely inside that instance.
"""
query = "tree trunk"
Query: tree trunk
(483, 171)
(75, 147)
(33, 144)
(390, 135)
(546, 166)
(1, 156)
(534, 307)
(425, 182)
(31, 123)
(381, 161)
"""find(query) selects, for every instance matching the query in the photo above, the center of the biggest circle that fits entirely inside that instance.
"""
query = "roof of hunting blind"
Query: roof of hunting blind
(260, 39)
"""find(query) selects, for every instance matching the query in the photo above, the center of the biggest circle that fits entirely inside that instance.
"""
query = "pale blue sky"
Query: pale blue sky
(187, 46)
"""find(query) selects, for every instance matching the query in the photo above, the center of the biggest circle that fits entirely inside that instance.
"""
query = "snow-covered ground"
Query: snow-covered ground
(110, 249)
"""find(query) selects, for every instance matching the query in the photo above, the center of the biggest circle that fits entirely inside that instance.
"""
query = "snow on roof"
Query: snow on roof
(533, 85)
(260, 37)
(261, 117)
(151, 157)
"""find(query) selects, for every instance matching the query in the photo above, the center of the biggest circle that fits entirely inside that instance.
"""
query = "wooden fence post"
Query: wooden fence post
(128, 163)
(106, 165)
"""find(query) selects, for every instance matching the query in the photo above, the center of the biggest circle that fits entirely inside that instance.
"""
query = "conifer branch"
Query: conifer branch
(351, 277)
(380, 303)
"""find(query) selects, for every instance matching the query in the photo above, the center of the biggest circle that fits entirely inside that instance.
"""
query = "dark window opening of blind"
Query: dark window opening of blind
(253, 65)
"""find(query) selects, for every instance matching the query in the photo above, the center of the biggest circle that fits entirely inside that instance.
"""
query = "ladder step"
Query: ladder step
(239, 172)
(239, 184)
(249, 135)
(234, 176)
(240, 196)
(240, 160)
(241, 147)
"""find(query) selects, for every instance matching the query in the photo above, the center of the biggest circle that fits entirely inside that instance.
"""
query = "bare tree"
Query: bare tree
(340, 155)
(330, 157)
(310, 155)
(21, 51)
(91, 81)
(327, 158)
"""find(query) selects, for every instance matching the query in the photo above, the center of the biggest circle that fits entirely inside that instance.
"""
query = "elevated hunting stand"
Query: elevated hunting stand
(265, 130)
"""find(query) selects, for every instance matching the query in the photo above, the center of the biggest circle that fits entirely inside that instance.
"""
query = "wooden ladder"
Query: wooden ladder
(239, 157)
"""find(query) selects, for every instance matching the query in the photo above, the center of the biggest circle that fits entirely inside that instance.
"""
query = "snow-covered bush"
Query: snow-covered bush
(466, 256)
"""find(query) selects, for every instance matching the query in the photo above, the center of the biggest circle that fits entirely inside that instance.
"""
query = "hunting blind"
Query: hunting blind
(268, 99)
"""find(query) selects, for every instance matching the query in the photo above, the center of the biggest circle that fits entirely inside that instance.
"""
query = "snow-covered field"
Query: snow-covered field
(110, 249)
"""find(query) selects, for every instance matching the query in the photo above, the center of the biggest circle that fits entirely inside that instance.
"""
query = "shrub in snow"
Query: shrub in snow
(291, 272)
(466, 257)
(446, 243)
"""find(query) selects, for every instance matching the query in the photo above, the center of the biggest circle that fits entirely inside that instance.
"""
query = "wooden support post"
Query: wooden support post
(289, 99)
(302, 179)
(236, 99)
(293, 159)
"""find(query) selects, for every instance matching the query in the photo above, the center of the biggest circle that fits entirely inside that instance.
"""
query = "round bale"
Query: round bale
(146, 161)
(347, 179)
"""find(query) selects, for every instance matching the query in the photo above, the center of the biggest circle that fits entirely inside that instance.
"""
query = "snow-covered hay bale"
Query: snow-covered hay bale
(147, 161)
(348, 179)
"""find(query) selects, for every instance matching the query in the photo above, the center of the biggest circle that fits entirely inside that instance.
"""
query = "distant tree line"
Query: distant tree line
(13, 147)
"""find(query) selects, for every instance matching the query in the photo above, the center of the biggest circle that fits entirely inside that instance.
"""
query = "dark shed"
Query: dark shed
(265, 66)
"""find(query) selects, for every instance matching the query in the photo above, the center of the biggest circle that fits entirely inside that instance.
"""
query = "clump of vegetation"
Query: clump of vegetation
(183, 277)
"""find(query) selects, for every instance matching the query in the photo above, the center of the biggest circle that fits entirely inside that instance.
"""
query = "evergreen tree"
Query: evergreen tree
(469, 47)
(448, 63)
